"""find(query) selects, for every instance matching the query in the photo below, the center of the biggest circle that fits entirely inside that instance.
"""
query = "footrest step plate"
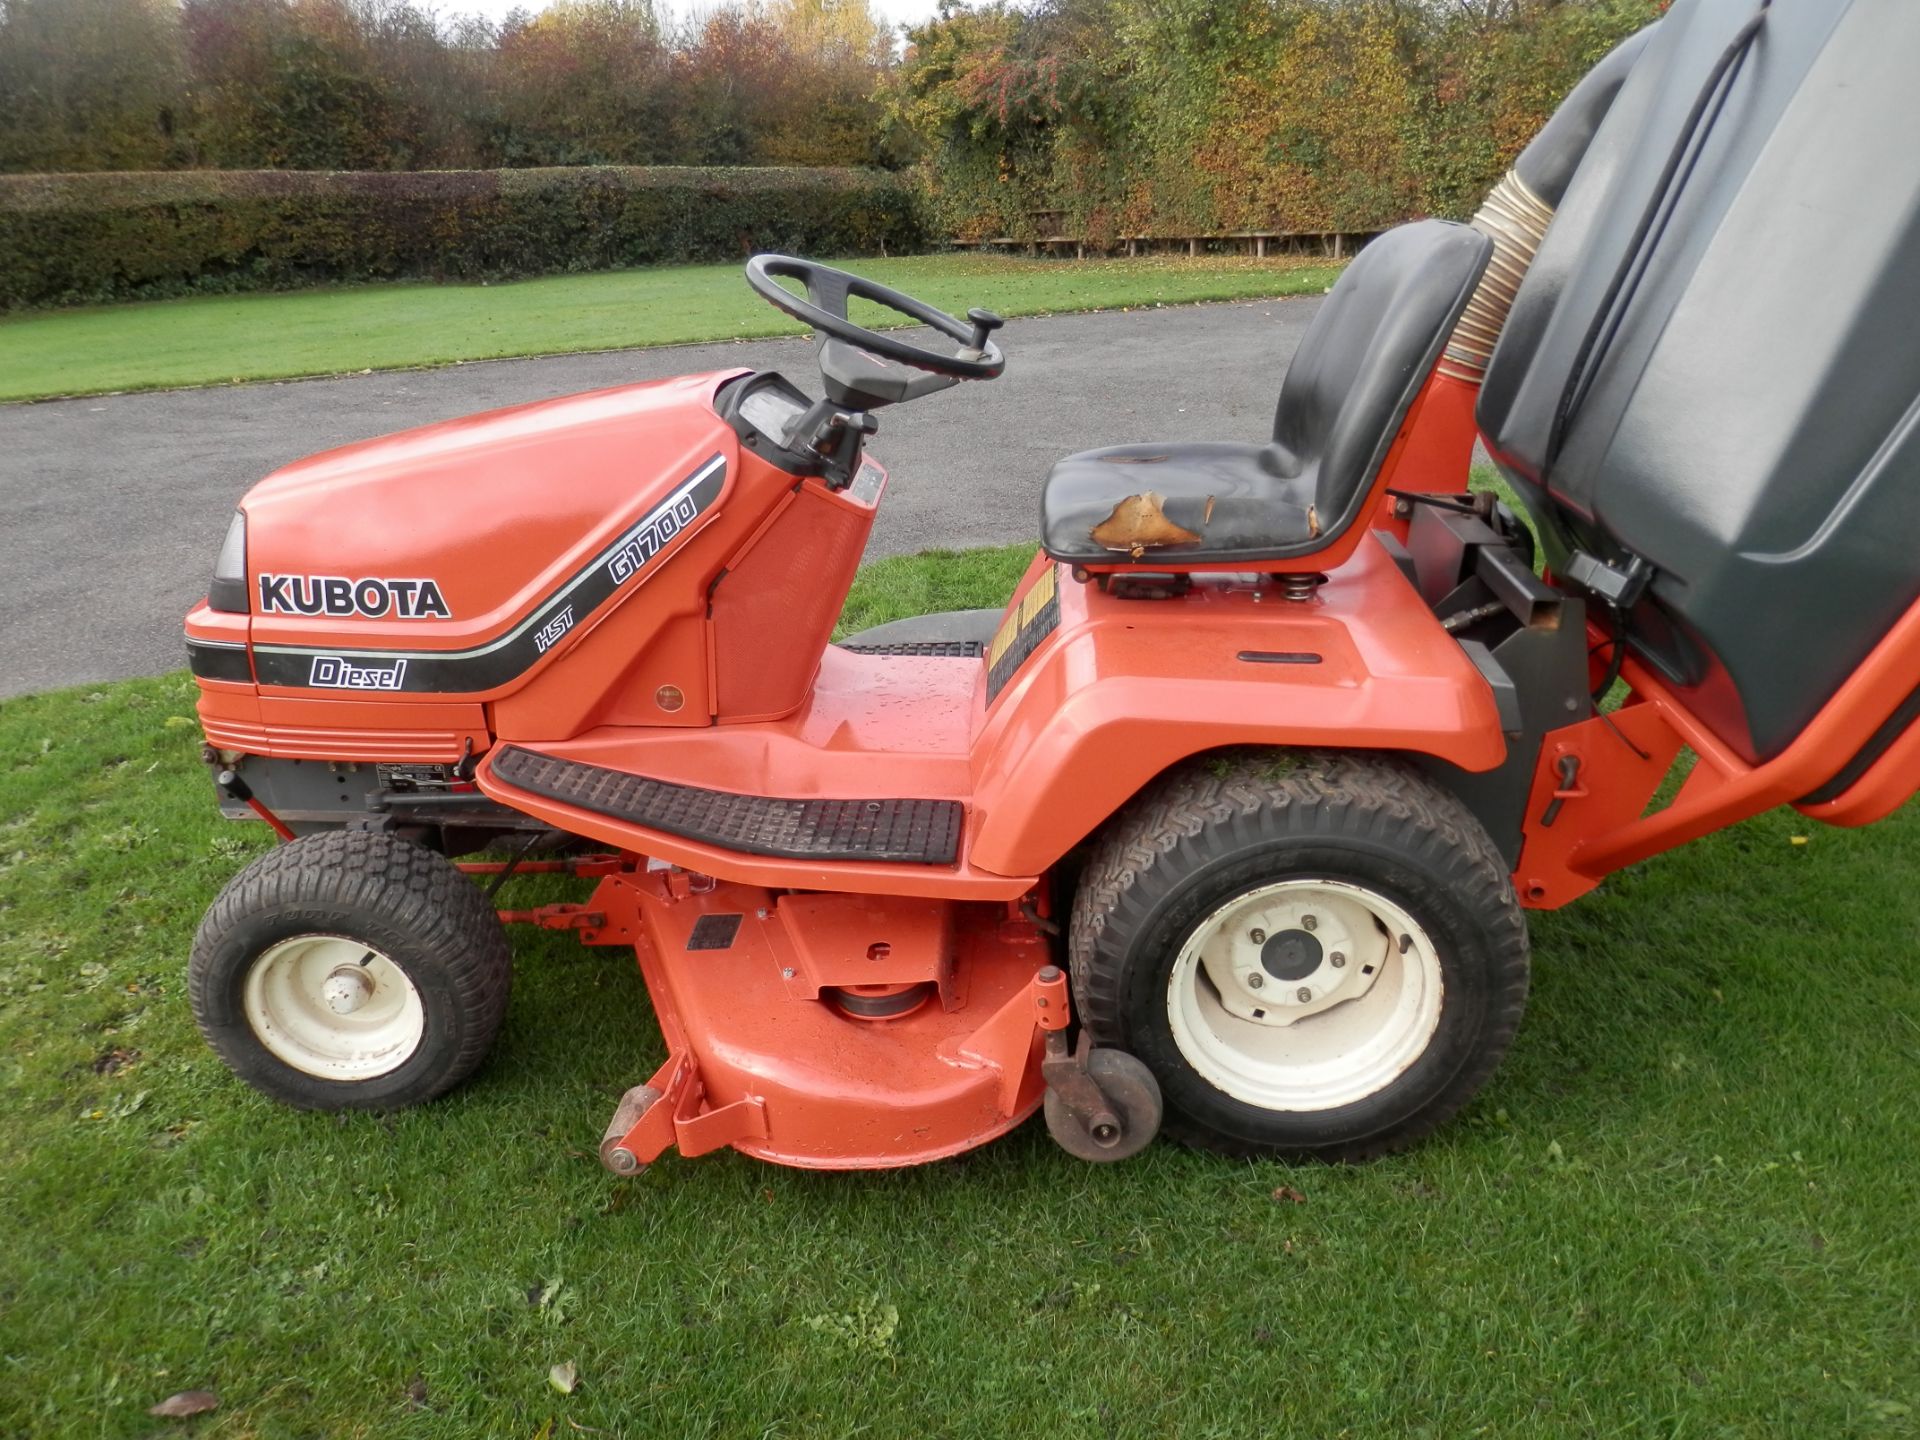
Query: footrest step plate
(912, 832)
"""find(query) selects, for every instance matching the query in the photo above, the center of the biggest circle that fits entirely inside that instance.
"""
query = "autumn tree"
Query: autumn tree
(89, 85)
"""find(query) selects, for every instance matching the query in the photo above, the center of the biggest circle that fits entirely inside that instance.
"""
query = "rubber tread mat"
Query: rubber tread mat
(913, 832)
(939, 649)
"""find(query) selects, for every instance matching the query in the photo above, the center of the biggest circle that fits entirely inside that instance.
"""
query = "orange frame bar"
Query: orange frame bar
(1604, 831)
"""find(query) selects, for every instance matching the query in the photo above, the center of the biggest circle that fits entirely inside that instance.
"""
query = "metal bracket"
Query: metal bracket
(667, 1112)
(1620, 586)
(1067, 1076)
(1569, 788)
(557, 917)
(230, 784)
(1005, 1041)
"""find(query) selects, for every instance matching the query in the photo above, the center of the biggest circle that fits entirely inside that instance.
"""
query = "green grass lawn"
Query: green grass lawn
(216, 340)
(1686, 1207)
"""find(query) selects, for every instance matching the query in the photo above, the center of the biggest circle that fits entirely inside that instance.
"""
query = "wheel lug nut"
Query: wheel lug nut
(1305, 995)
(1338, 959)
(1258, 937)
(1309, 922)
(1256, 980)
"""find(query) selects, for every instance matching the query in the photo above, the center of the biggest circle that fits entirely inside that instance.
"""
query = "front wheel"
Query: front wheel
(350, 970)
(1316, 954)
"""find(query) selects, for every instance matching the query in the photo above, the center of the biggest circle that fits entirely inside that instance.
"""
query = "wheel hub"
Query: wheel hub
(346, 989)
(1289, 952)
(1304, 994)
(330, 1007)
(1291, 955)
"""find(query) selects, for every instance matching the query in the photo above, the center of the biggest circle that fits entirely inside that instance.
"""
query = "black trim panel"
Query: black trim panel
(914, 832)
(930, 649)
(227, 595)
(218, 660)
(350, 670)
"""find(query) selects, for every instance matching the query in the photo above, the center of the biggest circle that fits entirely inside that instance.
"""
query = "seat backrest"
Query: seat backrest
(1369, 350)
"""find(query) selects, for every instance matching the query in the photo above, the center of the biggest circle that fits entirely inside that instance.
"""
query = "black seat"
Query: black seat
(1364, 359)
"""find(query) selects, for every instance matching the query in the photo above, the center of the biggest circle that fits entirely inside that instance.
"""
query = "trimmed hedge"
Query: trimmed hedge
(68, 239)
(1103, 119)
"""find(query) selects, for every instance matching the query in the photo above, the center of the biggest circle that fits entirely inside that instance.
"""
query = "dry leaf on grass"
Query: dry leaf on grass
(187, 1402)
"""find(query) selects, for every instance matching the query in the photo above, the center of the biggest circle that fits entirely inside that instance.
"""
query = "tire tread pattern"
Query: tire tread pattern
(407, 886)
(1205, 809)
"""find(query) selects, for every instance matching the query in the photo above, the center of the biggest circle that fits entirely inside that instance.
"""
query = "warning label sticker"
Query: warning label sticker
(1027, 624)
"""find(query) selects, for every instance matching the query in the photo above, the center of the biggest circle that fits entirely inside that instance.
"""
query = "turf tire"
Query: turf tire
(408, 903)
(1210, 831)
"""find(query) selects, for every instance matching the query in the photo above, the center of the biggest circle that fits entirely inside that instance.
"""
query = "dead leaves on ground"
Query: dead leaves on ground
(187, 1403)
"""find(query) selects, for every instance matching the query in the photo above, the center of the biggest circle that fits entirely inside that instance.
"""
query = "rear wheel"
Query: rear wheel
(350, 970)
(1314, 953)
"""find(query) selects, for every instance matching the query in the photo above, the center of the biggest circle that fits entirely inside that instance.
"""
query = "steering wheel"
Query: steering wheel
(825, 309)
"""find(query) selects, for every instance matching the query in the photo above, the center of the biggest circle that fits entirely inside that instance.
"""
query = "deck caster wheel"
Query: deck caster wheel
(1316, 954)
(1111, 1113)
(350, 970)
(615, 1156)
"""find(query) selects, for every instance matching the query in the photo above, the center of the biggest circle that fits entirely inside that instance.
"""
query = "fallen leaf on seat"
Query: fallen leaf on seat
(1313, 523)
(1206, 518)
(1138, 523)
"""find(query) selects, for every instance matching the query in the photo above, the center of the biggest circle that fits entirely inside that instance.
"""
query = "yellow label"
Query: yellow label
(1023, 614)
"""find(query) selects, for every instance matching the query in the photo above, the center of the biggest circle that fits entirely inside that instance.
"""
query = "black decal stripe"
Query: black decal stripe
(217, 660)
(503, 660)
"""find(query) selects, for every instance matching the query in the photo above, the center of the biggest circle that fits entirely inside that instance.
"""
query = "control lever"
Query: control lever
(831, 438)
(985, 322)
(839, 441)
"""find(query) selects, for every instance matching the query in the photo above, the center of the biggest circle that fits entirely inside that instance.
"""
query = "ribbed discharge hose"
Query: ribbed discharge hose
(1515, 219)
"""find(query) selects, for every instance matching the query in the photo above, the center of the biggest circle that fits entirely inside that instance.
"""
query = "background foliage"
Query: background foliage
(1098, 119)
(1107, 118)
(384, 85)
(116, 236)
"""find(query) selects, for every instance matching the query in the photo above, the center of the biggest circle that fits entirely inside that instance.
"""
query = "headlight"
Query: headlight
(229, 588)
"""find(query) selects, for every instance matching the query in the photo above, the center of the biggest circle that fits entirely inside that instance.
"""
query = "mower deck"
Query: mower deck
(923, 1043)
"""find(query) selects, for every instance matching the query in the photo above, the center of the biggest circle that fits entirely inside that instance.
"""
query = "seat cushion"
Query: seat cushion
(1356, 374)
(1196, 499)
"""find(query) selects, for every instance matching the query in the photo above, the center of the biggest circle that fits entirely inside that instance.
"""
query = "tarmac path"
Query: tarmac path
(115, 505)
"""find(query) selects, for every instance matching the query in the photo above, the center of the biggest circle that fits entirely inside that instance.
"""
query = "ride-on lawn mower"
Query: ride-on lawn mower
(1228, 822)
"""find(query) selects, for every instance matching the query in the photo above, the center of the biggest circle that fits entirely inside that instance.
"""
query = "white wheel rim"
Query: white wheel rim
(1271, 1023)
(333, 1008)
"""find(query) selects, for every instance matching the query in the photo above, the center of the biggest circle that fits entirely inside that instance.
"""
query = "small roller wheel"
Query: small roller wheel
(1316, 954)
(1129, 1089)
(615, 1156)
(350, 970)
